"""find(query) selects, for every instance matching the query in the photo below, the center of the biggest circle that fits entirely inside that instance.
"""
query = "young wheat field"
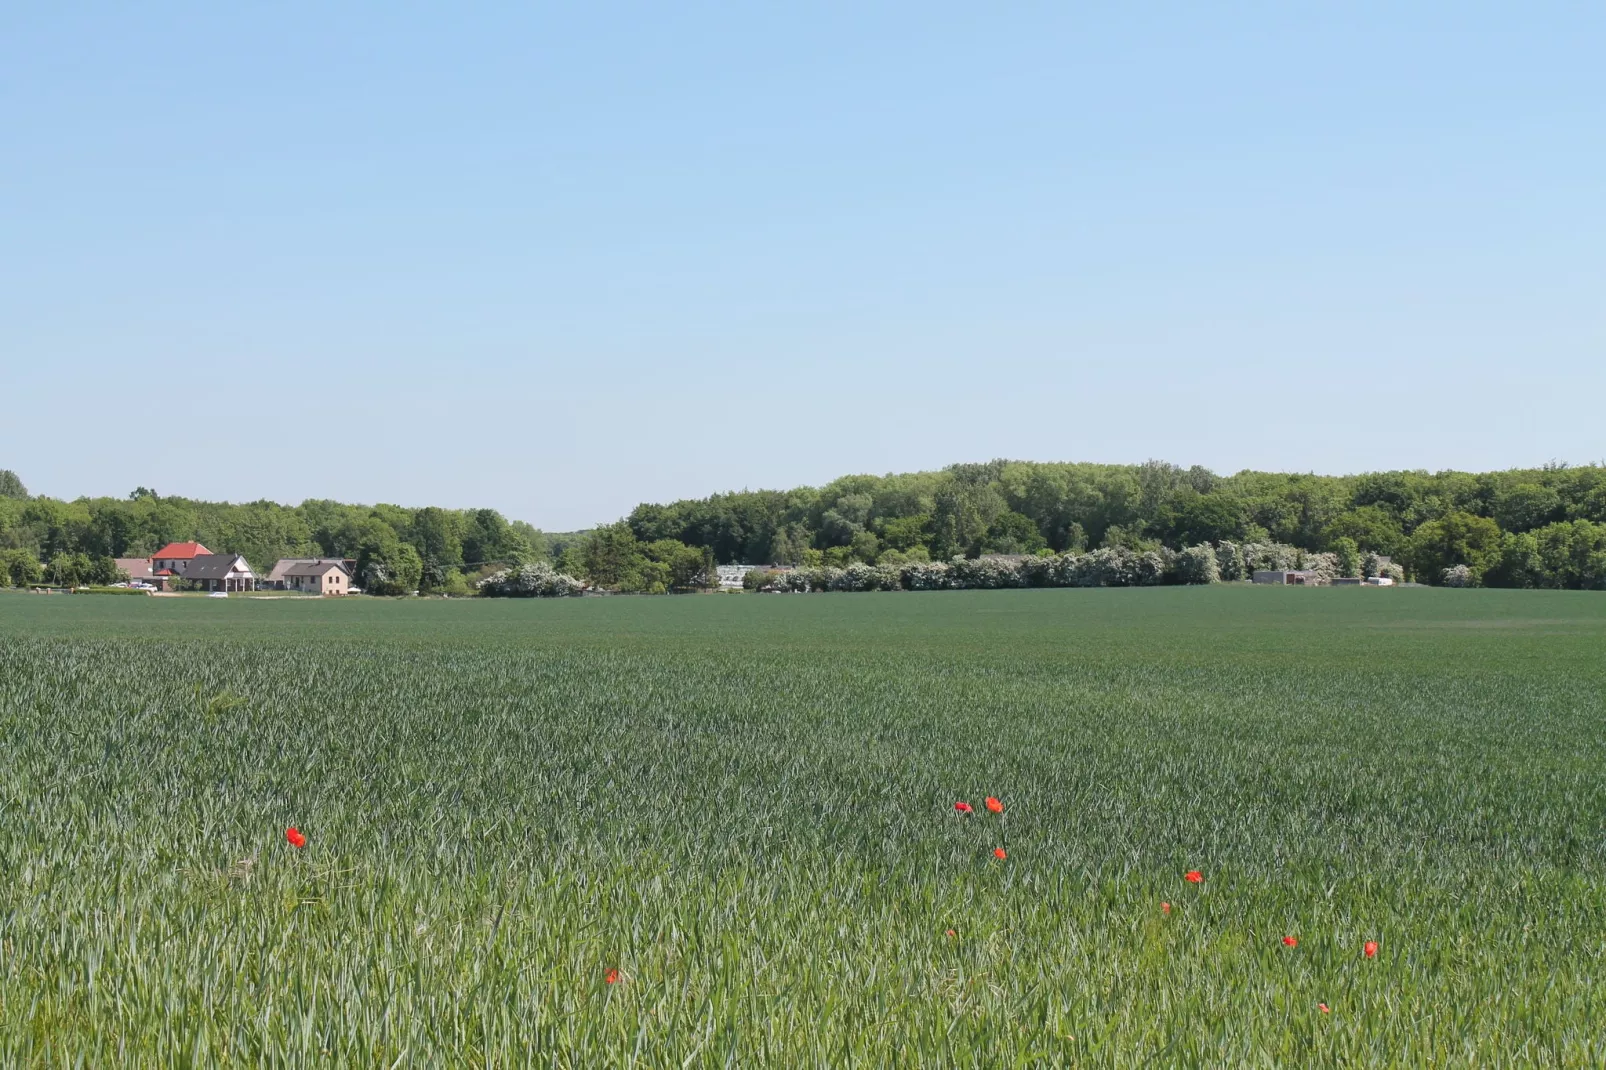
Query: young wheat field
(721, 831)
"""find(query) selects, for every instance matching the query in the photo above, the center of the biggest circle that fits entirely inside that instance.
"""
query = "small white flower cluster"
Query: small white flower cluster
(539, 580)
(1458, 576)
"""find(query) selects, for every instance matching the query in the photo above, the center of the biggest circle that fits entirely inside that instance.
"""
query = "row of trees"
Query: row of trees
(1541, 527)
(1531, 528)
(397, 550)
(1114, 566)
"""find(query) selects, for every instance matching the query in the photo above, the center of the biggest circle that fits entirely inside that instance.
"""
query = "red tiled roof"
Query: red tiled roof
(165, 572)
(184, 550)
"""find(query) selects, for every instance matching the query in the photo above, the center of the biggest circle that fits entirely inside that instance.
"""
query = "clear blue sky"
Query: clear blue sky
(560, 261)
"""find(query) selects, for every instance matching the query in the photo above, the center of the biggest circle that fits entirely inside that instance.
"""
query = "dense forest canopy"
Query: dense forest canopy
(1530, 527)
(1542, 527)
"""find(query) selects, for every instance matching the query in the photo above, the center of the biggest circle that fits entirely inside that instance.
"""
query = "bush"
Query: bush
(862, 577)
(1458, 576)
(1375, 565)
(1270, 557)
(537, 580)
(924, 576)
(1455, 539)
(1106, 567)
(1230, 561)
(18, 568)
(1324, 565)
(1198, 564)
(1152, 567)
(758, 580)
(983, 575)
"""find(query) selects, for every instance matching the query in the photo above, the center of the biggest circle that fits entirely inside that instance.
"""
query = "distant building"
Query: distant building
(220, 572)
(731, 576)
(175, 557)
(1290, 577)
(320, 575)
(138, 568)
(278, 577)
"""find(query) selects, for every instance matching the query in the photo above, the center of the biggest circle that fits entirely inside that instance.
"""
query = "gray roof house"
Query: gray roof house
(221, 572)
(323, 575)
(278, 576)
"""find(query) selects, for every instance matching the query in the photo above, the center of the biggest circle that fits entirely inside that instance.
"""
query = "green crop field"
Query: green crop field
(744, 805)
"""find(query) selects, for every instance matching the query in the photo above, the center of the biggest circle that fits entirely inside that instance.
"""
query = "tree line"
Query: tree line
(1543, 527)
(396, 549)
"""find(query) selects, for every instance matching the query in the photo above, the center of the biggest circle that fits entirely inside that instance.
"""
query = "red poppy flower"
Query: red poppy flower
(1370, 949)
(293, 834)
(612, 976)
(950, 933)
(1193, 876)
(998, 852)
(1290, 941)
(1165, 908)
(1323, 1008)
(962, 807)
(994, 805)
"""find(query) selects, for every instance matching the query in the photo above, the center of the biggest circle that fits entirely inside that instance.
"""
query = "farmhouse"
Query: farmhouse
(220, 572)
(313, 575)
(175, 557)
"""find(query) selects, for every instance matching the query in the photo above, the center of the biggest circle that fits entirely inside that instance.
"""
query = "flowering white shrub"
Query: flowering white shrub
(1116, 566)
(1056, 571)
(1038, 571)
(1270, 556)
(1458, 576)
(862, 577)
(794, 581)
(1198, 564)
(985, 575)
(1150, 568)
(924, 576)
(539, 580)
(1106, 567)
(1230, 561)
(1324, 565)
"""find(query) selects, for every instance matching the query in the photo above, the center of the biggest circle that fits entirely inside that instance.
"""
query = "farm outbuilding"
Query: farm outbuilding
(1291, 577)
